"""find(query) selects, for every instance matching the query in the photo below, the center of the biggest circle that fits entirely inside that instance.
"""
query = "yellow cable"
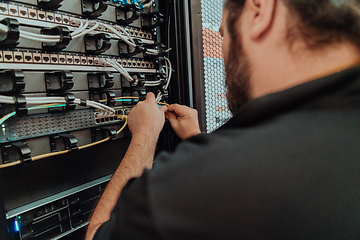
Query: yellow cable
(6, 165)
(49, 155)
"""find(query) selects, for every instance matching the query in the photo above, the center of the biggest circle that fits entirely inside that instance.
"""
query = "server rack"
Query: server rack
(56, 160)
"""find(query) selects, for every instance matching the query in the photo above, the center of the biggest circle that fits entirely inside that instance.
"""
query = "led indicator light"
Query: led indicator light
(17, 227)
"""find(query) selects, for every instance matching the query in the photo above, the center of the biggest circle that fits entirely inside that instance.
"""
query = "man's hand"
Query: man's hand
(146, 118)
(184, 120)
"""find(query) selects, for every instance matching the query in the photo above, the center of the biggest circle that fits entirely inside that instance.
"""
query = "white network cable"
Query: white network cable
(168, 72)
(118, 67)
(83, 32)
(105, 111)
(82, 27)
(130, 41)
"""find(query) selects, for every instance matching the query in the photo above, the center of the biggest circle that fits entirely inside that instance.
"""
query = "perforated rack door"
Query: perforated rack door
(217, 112)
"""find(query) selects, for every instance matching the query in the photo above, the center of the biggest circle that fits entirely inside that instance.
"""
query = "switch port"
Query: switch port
(41, 15)
(28, 58)
(18, 57)
(77, 60)
(32, 13)
(66, 19)
(54, 58)
(83, 60)
(8, 56)
(23, 12)
(45, 58)
(90, 60)
(69, 59)
(13, 10)
(4, 8)
(96, 61)
(58, 18)
(50, 17)
(1, 56)
(62, 59)
(37, 57)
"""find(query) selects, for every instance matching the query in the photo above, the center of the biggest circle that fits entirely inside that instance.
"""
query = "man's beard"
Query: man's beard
(238, 75)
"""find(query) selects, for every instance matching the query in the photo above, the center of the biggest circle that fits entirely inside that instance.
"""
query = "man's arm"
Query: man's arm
(145, 122)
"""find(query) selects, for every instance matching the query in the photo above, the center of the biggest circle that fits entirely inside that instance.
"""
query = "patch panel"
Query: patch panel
(59, 18)
(69, 59)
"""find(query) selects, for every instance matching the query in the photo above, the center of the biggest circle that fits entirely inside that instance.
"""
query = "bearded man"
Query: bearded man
(286, 166)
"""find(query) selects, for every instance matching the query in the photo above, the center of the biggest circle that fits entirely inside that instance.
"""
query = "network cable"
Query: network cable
(105, 111)
(168, 72)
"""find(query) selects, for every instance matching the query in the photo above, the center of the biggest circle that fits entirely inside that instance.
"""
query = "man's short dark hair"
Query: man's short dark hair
(318, 22)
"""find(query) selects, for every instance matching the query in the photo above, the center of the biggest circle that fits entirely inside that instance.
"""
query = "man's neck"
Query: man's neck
(289, 69)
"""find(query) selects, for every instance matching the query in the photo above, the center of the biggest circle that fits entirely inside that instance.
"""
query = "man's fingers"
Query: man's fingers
(174, 108)
(163, 109)
(172, 117)
(150, 97)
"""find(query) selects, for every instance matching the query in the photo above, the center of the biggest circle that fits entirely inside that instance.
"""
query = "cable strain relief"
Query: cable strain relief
(83, 102)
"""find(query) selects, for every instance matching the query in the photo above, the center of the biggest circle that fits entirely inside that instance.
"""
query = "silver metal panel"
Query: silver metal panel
(42, 202)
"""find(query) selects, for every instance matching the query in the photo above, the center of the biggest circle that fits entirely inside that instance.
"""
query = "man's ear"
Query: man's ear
(262, 14)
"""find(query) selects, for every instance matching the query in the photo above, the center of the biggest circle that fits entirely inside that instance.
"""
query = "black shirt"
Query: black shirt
(286, 166)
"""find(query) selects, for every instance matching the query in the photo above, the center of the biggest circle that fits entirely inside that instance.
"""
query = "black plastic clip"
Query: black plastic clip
(139, 80)
(59, 80)
(98, 134)
(13, 151)
(151, 20)
(61, 31)
(50, 4)
(12, 81)
(126, 51)
(63, 141)
(20, 104)
(70, 105)
(110, 97)
(123, 14)
(94, 8)
(100, 80)
(11, 37)
(97, 43)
